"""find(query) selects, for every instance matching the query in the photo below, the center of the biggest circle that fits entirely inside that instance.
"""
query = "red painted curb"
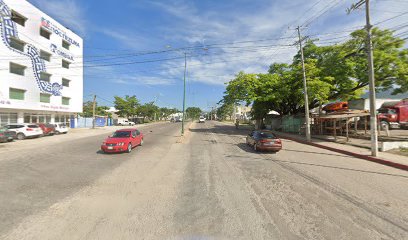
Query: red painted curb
(365, 157)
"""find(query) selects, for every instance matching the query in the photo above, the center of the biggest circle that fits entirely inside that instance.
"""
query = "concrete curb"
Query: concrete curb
(353, 154)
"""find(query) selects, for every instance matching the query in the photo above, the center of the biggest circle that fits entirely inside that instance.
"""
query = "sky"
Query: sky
(139, 47)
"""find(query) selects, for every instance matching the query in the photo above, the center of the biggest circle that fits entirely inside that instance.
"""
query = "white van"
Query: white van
(124, 122)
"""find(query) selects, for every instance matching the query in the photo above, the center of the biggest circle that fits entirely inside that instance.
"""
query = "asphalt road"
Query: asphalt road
(40, 175)
(210, 186)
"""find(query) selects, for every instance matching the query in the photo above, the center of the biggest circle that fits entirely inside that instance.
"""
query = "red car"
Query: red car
(264, 140)
(123, 140)
(48, 129)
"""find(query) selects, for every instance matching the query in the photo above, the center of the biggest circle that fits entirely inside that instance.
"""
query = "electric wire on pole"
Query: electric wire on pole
(371, 83)
(307, 119)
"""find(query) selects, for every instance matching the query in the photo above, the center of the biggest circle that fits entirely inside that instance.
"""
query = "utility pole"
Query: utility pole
(93, 111)
(154, 103)
(184, 94)
(371, 83)
(307, 119)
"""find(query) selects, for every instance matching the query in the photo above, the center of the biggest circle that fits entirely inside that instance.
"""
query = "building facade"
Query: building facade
(41, 66)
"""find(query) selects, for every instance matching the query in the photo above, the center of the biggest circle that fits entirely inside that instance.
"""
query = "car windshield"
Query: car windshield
(121, 134)
(387, 110)
(266, 135)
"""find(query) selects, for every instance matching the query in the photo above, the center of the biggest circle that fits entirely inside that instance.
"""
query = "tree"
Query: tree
(193, 112)
(347, 63)
(88, 109)
(148, 110)
(127, 107)
(337, 72)
(226, 110)
(166, 112)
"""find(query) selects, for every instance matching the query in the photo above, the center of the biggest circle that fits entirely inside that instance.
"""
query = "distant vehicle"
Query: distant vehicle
(394, 114)
(201, 120)
(122, 140)
(124, 122)
(264, 141)
(48, 129)
(61, 128)
(25, 130)
(7, 135)
(178, 119)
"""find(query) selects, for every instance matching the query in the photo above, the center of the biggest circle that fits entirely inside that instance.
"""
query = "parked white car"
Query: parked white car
(124, 122)
(61, 128)
(25, 130)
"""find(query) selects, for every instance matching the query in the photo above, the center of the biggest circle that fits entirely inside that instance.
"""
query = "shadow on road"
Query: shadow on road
(249, 149)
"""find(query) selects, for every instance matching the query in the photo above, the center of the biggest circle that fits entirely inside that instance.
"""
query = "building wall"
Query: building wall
(34, 42)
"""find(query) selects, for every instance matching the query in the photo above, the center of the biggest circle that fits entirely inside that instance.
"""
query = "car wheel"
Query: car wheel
(57, 132)
(65, 132)
(141, 142)
(129, 149)
(20, 136)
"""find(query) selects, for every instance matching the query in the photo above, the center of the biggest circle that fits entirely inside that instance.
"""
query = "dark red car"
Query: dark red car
(48, 129)
(264, 141)
(123, 140)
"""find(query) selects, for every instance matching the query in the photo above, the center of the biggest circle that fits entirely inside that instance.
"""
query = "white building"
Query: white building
(41, 66)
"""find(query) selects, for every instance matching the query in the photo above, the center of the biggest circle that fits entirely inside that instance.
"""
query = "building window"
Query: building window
(65, 44)
(17, 69)
(45, 98)
(65, 64)
(45, 33)
(17, 44)
(7, 118)
(45, 56)
(18, 18)
(65, 82)
(45, 76)
(17, 94)
(65, 100)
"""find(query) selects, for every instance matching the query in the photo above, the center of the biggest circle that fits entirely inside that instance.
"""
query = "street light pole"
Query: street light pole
(184, 94)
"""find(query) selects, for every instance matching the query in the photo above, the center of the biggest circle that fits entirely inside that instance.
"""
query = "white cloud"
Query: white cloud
(68, 12)
(143, 80)
(195, 27)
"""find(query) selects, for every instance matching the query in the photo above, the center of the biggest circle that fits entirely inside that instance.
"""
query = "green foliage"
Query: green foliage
(127, 107)
(226, 110)
(165, 112)
(148, 110)
(193, 112)
(99, 110)
(337, 72)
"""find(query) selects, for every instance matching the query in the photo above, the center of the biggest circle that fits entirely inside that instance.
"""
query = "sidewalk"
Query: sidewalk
(362, 151)
(113, 127)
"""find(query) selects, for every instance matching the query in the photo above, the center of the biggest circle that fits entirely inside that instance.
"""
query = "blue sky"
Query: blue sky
(137, 47)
